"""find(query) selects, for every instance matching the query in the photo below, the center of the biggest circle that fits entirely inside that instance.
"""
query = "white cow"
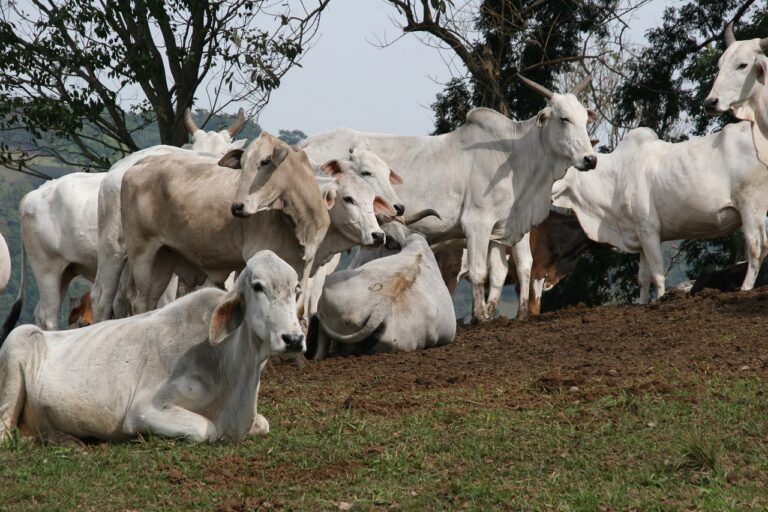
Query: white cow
(648, 191)
(397, 302)
(189, 370)
(111, 244)
(5, 264)
(740, 86)
(490, 179)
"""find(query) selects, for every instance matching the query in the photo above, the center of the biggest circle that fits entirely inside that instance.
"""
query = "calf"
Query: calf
(188, 370)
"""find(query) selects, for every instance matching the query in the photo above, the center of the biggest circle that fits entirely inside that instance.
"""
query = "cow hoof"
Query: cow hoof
(491, 307)
(260, 426)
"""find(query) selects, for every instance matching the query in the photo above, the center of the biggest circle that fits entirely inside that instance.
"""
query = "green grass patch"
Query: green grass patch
(677, 451)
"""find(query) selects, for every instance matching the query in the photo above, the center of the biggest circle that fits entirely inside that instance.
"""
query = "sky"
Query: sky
(346, 80)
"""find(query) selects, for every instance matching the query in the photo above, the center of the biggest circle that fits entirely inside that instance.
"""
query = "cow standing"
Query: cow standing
(490, 179)
(648, 191)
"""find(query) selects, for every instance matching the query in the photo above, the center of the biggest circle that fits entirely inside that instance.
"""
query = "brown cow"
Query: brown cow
(556, 246)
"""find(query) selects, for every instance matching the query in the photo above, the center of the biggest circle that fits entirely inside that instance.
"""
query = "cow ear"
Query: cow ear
(332, 168)
(543, 117)
(279, 153)
(592, 116)
(227, 316)
(232, 159)
(395, 178)
(761, 67)
(382, 207)
(329, 197)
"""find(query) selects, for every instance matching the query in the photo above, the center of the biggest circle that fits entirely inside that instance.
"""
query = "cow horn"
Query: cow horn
(581, 86)
(764, 43)
(189, 122)
(238, 124)
(428, 212)
(729, 37)
(536, 87)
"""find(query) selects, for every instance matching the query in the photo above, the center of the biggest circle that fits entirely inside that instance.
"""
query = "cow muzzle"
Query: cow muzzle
(238, 210)
(711, 106)
(293, 342)
(587, 163)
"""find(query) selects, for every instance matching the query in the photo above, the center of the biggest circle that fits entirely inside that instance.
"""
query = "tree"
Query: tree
(79, 79)
(291, 136)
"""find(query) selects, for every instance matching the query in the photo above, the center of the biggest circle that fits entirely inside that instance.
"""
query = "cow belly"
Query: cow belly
(701, 224)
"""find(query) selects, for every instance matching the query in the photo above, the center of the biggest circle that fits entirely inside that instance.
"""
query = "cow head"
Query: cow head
(354, 207)
(270, 167)
(563, 125)
(741, 75)
(377, 174)
(216, 143)
(82, 314)
(263, 299)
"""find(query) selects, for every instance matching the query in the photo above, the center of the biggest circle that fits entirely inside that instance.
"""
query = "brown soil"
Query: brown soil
(575, 354)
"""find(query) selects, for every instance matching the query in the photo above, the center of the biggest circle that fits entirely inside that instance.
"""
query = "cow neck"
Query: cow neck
(240, 358)
(334, 242)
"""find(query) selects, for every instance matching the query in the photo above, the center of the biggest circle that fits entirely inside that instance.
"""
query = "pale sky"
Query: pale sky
(348, 81)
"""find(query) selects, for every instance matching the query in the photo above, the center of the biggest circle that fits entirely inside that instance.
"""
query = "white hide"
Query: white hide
(490, 179)
(5, 264)
(394, 303)
(740, 87)
(648, 191)
(189, 370)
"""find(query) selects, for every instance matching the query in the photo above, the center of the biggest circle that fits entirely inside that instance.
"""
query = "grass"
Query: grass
(702, 450)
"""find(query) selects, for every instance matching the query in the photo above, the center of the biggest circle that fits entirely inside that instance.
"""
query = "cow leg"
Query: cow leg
(142, 267)
(47, 310)
(521, 255)
(651, 250)
(449, 261)
(12, 386)
(757, 245)
(537, 290)
(106, 286)
(478, 239)
(174, 421)
(260, 426)
(644, 280)
(497, 274)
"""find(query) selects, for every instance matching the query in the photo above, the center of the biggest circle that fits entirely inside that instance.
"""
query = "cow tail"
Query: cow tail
(15, 313)
(374, 321)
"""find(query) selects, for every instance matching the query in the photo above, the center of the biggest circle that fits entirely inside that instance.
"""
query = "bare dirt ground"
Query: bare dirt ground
(584, 352)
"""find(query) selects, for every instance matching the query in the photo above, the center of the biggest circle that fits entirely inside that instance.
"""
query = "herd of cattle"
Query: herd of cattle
(207, 259)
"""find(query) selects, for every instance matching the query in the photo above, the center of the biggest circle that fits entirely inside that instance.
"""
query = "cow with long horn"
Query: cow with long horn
(490, 179)
(740, 87)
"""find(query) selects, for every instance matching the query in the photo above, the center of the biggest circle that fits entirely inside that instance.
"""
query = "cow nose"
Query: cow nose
(590, 161)
(710, 105)
(237, 209)
(293, 342)
(399, 209)
(378, 237)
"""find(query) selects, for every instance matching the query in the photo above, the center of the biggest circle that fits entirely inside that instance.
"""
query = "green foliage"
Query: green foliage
(83, 81)
(291, 136)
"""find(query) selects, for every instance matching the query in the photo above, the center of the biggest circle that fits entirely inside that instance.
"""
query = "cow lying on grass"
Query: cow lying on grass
(396, 303)
(189, 370)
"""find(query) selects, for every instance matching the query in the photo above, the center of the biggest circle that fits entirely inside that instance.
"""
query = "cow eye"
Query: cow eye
(742, 65)
(265, 162)
(258, 287)
(349, 200)
(565, 120)
(365, 173)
